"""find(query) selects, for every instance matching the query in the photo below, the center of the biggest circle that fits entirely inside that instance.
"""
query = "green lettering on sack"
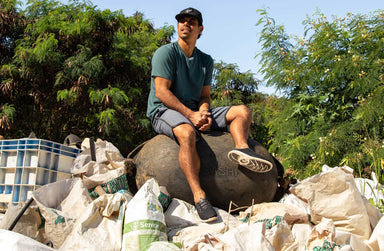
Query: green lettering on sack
(165, 200)
(246, 219)
(144, 224)
(327, 246)
(269, 223)
(59, 219)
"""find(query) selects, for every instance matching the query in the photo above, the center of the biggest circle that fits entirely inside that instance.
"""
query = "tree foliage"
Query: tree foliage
(333, 81)
(11, 27)
(72, 68)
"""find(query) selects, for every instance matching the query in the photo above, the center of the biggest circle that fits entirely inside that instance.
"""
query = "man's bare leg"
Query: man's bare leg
(189, 159)
(190, 164)
(239, 119)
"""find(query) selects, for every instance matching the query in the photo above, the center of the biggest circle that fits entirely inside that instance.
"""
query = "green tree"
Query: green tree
(332, 79)
(77, 69)
(11, 29)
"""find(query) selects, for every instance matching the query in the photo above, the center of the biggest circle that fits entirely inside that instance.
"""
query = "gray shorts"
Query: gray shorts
(166, 119)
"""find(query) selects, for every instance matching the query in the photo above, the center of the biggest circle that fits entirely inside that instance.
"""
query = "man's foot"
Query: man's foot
(205, 210)
(249, 159)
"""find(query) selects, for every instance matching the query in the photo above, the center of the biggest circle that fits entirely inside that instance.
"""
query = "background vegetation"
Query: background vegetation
(333, 80)
(77, 69)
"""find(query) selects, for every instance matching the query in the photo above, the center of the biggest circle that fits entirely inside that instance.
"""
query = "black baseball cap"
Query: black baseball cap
(190, 12)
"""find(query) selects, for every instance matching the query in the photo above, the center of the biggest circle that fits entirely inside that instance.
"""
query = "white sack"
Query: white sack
(191, 237)
(280, 236)
(373, 191)
(144, 219)
(163, 246)
(100, 226)
(347, 239)
(376, 241)
(247, 237)
(291, 199)
(61, 204)
(278, 219)
(322, 237)
(104, 151)
(30, 223)
(180, 215)
(205, 240)
(334, 195)
(268, 211)
(373, 212)
(12, 241)
(301, 234)
(102, 178)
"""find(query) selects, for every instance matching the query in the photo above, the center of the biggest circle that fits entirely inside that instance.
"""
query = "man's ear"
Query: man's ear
(201, 28)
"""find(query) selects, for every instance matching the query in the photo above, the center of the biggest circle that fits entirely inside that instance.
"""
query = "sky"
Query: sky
(230, 32)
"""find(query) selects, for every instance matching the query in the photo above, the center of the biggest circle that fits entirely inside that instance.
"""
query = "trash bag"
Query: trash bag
(274, 210)
(376, 241)
(333, 194)
(347, 239)
(61, 204)
(144, 219)
(322, 237)
(301, 234)
(30, 223)
(104, 167)
(278, 219)
(107, 158)
(14, 241)
(100, 226)
(163, 246)
(182, 221)
(247, 237)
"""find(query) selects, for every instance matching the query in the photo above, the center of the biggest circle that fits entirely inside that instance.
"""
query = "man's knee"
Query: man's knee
(244, 111)
(239, 111)
(185, 133)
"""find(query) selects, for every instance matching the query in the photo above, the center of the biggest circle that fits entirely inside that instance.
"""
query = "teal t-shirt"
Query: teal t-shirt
(187, 75)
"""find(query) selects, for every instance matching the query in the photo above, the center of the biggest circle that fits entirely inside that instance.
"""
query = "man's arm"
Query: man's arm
(205, 100)
(163, 93)
(204, 105)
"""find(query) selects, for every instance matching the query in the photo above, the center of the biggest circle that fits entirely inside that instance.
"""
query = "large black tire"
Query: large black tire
(222, 180)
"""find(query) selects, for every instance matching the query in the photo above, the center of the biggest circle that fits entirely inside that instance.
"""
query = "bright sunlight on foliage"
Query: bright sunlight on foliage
(333, 80)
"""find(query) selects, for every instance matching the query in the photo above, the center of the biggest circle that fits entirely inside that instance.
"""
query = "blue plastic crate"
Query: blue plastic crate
(26, 164)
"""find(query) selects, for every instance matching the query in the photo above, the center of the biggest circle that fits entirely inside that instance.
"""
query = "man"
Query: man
(179, 106)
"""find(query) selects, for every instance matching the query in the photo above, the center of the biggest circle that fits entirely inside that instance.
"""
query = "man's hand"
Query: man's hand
(204, 108)
(201, 120)
(197, 119)
(207, 120)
